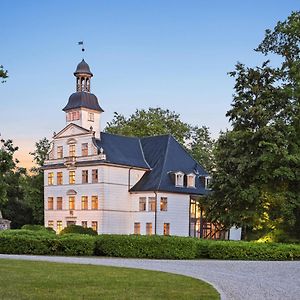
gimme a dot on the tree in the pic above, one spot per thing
(157, 121)
(34, 183)
(257, 178)
(3, 74)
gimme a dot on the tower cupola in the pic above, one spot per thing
(83, 107)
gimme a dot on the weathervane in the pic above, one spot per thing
(82, 46)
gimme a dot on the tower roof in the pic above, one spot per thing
(83, 99)
(83, 68)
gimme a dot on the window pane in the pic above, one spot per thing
(191, 181)
(59, 203)
(59, 178)
(71, 177)
(94, 202)
(84, 224)
(59, 226)
(163, 203)
(151, 203)
(137, 228)
(179, 179)
(84, 149)
(50, 178)
(142, 203)
(85, 174)
(94, 175)
(72, 150)
(59, 151)
(84, 202)
(95, 225)
(71, 203)
(50, 203)
(149, 228)
(166, 228)
(50, 224)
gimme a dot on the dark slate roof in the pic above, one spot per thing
(83, 68)
(83, 99)
(122, 150)
(165, 155)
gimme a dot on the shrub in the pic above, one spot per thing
(79, 230)
(159, 247)
(253, 251)
(31, 242)
(38, 228)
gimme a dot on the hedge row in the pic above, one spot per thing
(157, 247)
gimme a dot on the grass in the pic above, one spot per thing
(43, 280)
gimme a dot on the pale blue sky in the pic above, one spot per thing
(172, 54)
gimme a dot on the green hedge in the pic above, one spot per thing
(26, 242)
(78, 229)
(146, 246)
(158, 247)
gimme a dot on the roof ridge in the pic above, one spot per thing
(120, 135)
(142, 150)
(165, 158)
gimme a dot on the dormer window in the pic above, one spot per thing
(191, 180)
(91, 117)
(179, 178)
(208, 181)
(73, 115)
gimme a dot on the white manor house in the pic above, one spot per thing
(121, 185)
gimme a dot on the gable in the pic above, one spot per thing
(71, 130)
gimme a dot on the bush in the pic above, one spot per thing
(159, 247)
(40, 243)
(253, 251)
(37, 228)
(79, 230)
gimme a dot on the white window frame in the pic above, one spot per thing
(193, 176)
(181, 182)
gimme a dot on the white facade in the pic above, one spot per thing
(81, 187)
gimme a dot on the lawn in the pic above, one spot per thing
(44, 280)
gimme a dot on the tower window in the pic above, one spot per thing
(73, 115)
(91, 117)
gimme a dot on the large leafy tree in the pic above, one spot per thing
(34, 183)
(257, 176)
(158, 121)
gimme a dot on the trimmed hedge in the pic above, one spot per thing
(23, 242)
(78, 229)
(159, 247)
(42, 242)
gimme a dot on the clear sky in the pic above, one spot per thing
(158, 53)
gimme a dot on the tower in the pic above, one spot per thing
(83, 108)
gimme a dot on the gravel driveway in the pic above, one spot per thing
(233, 279)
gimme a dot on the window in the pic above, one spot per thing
(166, 228)
(149, 228)
(84, 224)
(71, 203)
(71, 177)
(50, 224)
(72, 150)
(137, 228)
(208, 181)
(59, 203)
(163, 203)
(179, 179)
(94, 202)
(142, 204)
(95, 225)
(50, 178)
(84, 149)
(59, 151)
(73, 115)
(91, 117)
(59, 178)
(70, 223)
(85, 174)
(94, 175)
(190, 180)
(59, 226)
(151, 204)
(50, 203)
(84, 202)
